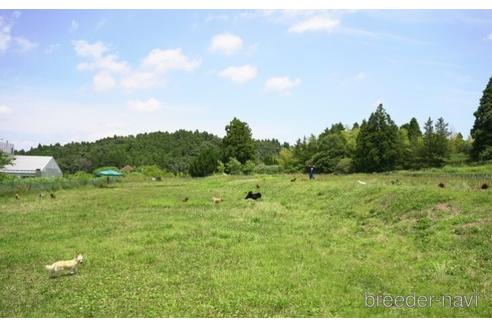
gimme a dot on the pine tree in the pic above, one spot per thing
(427, 152)
(435, 150)
(414, 130)
(238, 142)
(206, 163)
(482, 128)
(377, 143)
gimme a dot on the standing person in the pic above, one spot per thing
(311, 172)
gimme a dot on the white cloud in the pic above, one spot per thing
(103, 81)
(16, 14)
(317, 23)
(239, 74)
(74, 26)
(489, 37)
(167, 60)
(282, 84)
(112, 72)
(225, 43)
(150, 105)
(24, 44)
(5, 109)
(91, 50)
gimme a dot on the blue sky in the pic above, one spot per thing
(82, 75)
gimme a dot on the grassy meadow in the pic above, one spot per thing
(306, 249)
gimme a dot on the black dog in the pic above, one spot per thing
(253, 195)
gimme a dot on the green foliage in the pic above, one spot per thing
(172, 152)
(151, 170)
(248, 167)
(377, 147)
(11, 184)
(82, 175)
(4, 159)
(435, 150)
(268, 169)
(332, 147)
(413, 129)
(206, 163)
(233, 166)
(220, 167)
(267, 151)
(344, 166)
(238, 142)
(482, 127)
(286, 160)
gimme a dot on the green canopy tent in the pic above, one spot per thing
(109, 173)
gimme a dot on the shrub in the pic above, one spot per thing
(220, 167)
(82, 175)
(344, 166)
(233, 166)
(151, 170)
(205, 164)
(268, 169)
(248, 167)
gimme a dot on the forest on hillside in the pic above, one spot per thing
(376, 144)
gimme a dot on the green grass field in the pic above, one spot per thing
(307, 249)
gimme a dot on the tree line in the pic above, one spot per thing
(375, 145)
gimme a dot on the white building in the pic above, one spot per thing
(33, 166)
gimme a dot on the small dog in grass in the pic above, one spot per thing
(63, 266)
(217, 200)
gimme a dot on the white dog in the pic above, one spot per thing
(61, 266)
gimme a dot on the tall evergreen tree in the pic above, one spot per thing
(482, 128)
(206, 162)
(442, 141)
(238, 142)
(435, 149)
(377, 143)
(427, 152)
(414, 130)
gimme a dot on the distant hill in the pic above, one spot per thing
(172, 152)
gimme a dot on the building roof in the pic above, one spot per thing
(27, 163)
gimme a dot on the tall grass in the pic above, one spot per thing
(13, 185)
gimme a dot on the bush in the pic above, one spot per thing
(151, 171)
(82, 175)
(248, 167)
(268, 169)
(344, 166)
(220, 167)
(233, 166)
(205, 164)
